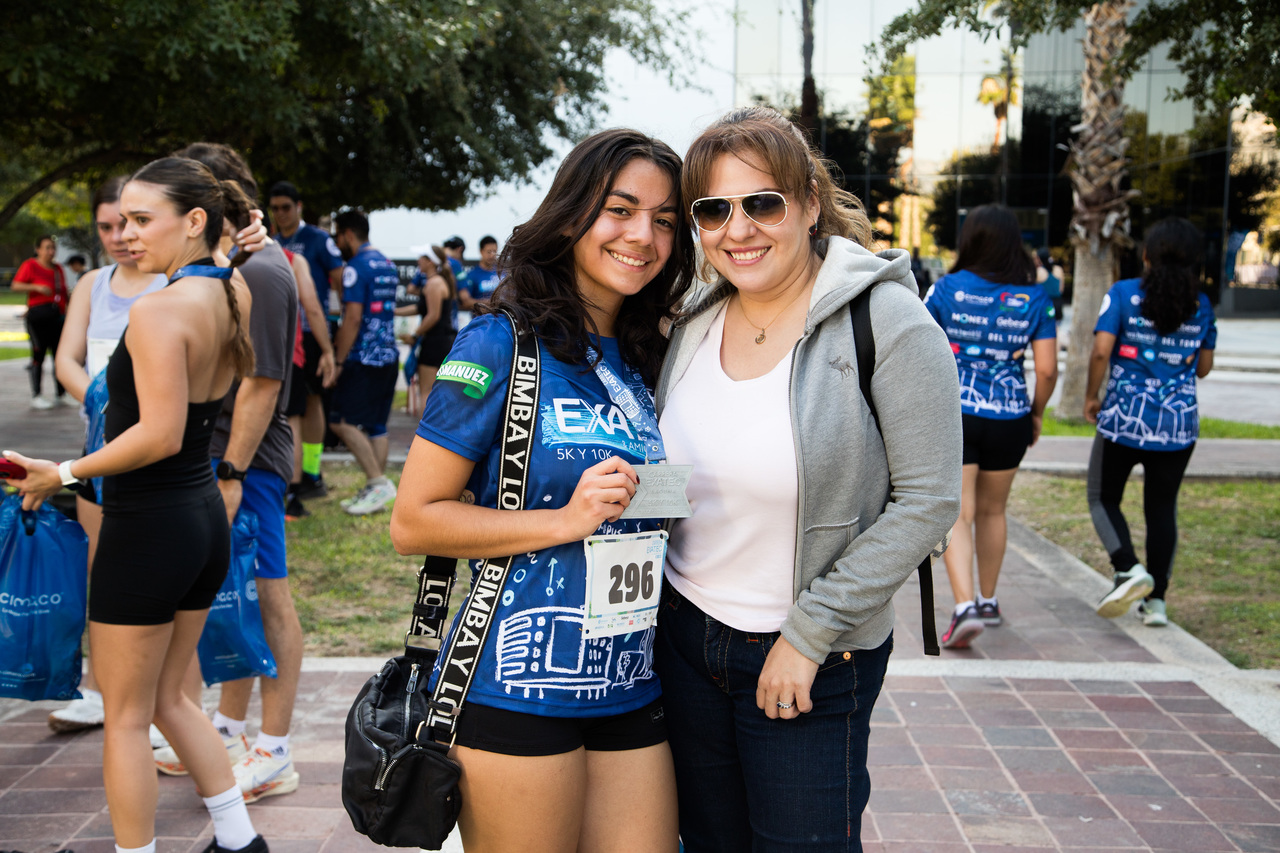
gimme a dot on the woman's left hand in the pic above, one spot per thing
(785, 680)
(254, 237)
(42, 480)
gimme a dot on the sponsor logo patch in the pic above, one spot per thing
(475, 377)
(1128, 351)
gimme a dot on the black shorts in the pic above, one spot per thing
(311, 349)
(513, 733)
(299, 392)
(363, 397)
(995, 445)
(152, 563)
(434, 349)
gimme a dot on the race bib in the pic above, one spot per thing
(624, 581)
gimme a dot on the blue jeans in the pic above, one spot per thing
(748, 783)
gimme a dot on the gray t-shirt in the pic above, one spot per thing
(272, 327)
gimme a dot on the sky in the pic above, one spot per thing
(637, 98)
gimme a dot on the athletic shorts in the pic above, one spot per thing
(514, 733)
(995, 445)
(152, 563)
(434, 349)
(311, 349)
(262, 493)
(363, 397)
(299, 392)
(84, 488)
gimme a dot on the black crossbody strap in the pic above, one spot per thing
(864, 342)
(476, 619)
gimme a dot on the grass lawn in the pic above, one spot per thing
(1209, 428)
(1226, 577)
(10, 353)
(8, 297)
(352, 590)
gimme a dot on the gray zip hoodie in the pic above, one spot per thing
(870, 506)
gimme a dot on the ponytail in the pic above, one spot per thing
(235, 209)
(1171, 281)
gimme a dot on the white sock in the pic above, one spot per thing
(378, 481)
(961, 606)
(983, 600)
(146, 848)
(223, 723)
(274, 744)
(232, 828)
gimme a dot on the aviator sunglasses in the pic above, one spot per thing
(764, 208)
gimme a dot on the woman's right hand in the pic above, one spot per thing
(42, 480)
(603, 492)
(1091, 408)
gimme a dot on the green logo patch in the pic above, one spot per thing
(475, 377)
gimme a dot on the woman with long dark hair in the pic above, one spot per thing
(992, 311)
(1154, 336)
(164, 547)
(435, 333)
(561, 738)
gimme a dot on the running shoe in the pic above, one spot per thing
(1129, 587)
(965, 626)
(65, 400)
(257, 845)
(264, 774)
(41, 403)
(1152, 613)
(78, 714)
(356, 498)
(376, 499)
(311, 487)
(989, 613)
(168, 763)
(295, 509)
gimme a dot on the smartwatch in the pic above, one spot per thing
(227, 471)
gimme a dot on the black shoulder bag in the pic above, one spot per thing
(399, 785)
(864, 343)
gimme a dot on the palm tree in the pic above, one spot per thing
(1100, 224)
(808, 118)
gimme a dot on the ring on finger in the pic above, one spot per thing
(786, 706)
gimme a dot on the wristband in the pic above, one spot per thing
(64, 473)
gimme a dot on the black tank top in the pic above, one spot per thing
(444, 326)
(185, 476)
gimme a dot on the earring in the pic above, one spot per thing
(813, 230)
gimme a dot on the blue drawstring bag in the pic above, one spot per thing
(44, 580)
(94, 411)
(233, 644)
(411, 361)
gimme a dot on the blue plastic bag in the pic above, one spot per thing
(233, 644)
(44, 580)
(95, 415)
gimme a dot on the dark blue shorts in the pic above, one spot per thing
(363, 397)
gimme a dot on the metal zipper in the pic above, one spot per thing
(408, 698)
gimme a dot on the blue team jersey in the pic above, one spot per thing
(989, 327)
(322, 255)
(480, 282)
(372, 280)
(1151, 390)
(536, 660)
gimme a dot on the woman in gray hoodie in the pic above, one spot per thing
(776, 623)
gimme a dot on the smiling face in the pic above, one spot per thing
(630, 240)
(160, 239)
(110, 226)
(759, 260)
(286, 213)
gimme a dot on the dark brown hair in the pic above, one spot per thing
(189, 184)
(991, 247)
(1171, 282)
(766, 139)
(107, 193)
(541, 290)
(225, 163)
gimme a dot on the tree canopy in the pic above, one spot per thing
(375, 103)
(1228, 49)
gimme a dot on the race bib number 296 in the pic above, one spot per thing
(624, 581)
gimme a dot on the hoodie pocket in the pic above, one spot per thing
(826, 532)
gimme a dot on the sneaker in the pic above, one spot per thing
(65, 400)
(168, 763)
(158, 741)
(965, 626)
(376, 499)
(1152, 613)
(264, 774)
(79, 714)
(310, 487)
(356, 498)
(294, 509)
(41, 403)
(257, 845)
(989, 613)
(1129, 587)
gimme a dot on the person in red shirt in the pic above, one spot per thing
(46, 287)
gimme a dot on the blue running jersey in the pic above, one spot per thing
(480, 282)
(989, 327)
(321, 254)
(536, 660)
(372, 280)
(1151, 389)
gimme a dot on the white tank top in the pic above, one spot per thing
(735, 557)
(108, 316)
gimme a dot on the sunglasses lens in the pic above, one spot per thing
(765, 208)
(710, 214)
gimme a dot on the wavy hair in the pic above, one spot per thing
(541, 290)
(1173, 249)
(189, 184)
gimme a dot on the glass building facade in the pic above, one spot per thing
(939, 135)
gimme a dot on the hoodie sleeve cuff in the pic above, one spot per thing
(807, 636)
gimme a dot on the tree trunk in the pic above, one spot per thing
(808, 89)
(70, 169)
(1094, 274)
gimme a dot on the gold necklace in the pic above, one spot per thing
(761, 337)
